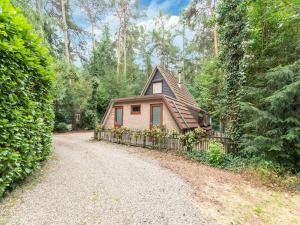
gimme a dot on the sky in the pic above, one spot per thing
(171, 8)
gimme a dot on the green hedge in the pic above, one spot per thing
(26, 99)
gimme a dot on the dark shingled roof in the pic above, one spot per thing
(181, 92)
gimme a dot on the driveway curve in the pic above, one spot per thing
(102, 183)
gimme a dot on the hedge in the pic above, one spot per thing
(26, 98)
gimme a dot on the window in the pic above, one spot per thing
(118, 116)
(77, 117)
(136, 109)
(157, 87)
(156, 115)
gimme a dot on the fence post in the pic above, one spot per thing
(144, 141)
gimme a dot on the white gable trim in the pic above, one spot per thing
(149, 81)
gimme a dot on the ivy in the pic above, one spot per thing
(25, 96)
(231, 33)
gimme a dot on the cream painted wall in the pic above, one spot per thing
(140, 121)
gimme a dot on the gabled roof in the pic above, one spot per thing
(185, 116)
(181, 92)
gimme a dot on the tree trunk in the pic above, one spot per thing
(92, 22)
(67, 55)
(118, 52)
(73, 118)
(125, 53)
(212, 10)
(216, 49)
(222, 126)
(65, 29)
(93, 35)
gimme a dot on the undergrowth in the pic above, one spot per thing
(264, 172)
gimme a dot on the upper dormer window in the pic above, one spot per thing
(157, 87)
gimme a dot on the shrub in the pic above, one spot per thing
(173, 134)
(229, 162)
(118, 132)
(61, 127)
(26, 86)
(99, 127)
(188, 140)
(136, 134)
(216, 153)
(200, 132)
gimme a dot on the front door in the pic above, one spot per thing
(156, 115)
(118, 116)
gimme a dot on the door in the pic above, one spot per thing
(118, 116)
(156, 115)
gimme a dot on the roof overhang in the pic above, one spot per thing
(155, 97)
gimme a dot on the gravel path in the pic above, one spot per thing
(101, 183)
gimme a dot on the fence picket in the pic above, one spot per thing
(166, 143)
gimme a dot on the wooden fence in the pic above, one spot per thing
(164, 143)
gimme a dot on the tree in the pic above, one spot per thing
(272, 128)
(101, 70)
(231, 21)
(39, 15)
(209, 90)
(270, 105)
(95, 10)
(200, 17)
(163, 42)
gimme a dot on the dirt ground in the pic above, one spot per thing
(227, 197)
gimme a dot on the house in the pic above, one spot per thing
(163, 102)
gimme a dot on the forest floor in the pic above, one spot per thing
(90, 182)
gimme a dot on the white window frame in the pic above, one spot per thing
(157, 87)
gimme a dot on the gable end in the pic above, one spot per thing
(166, 90)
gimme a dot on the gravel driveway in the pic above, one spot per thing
(102, 183)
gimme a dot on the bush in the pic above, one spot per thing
(61, 127)
(229, 162)
(216, 153)
(26, 86)
(188, 140)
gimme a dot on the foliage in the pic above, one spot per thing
(229, 161)
(200, 132)
(273, 175)
(232, 28)
(216, 153)
(261, 171)
(61, 127)
(158, 135)
(173, 134)
(72, 92)
(136, 134)
(209, 91)
(273, 129)
(26, 98)
(271, 105)
(99, 128)
(188, 140)
(118, 132)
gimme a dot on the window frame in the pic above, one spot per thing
(135, 113)
(115, 117)
(151, 114)
(157, 82)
